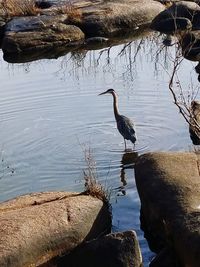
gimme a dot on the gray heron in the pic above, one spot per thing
(124, 125)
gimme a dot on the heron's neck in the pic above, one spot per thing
(115, 105)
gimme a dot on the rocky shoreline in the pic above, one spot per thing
(57, 29)
(61, 228)
(88, 23)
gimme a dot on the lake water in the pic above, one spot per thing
(50, 113)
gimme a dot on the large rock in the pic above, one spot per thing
(182, 15)
(190, 45)
(37, 227)
(36, 33)
(169, 189)
(90, 18)
(116, 249)
(111, 18)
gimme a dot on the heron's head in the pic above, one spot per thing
(109, 91)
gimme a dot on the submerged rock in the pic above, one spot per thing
(116, 249)
(169, 190)
(38, 227)
(96, 40)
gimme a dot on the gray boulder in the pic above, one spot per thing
(112, 18)
(171, 25)
(27, 34)
(50, 30)
(181, 15)
(116, 249)
(190, 44)
(38, 227)
(169, 190)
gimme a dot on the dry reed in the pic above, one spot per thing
(92, 186)
(12, 8)
(74, 13)
(19, 8)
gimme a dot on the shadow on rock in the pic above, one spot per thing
(180, 16)
(169, 189)
(117, 249)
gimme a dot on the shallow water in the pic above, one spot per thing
(50, 113)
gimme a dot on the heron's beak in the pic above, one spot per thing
(103, 93)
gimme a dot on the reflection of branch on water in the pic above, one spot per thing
(159, 51)
(127, 57)
(107, 50)
(181, 104)
(180, 100)
(123, 51)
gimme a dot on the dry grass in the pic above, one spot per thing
(92, 186)
(12, 8)
(19, 8)
(74, 13)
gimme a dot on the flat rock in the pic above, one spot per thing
(36, 33)
(33, 23)
(169, 190)
(38, 227)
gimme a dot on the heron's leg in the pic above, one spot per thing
(125, 143)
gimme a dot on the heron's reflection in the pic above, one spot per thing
(128, 162)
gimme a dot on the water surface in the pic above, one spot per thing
(50, 112)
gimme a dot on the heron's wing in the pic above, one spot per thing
(126, 128)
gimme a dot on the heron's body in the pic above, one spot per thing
(126, 128)
(124, 125)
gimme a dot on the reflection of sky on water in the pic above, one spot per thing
(50, 109)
